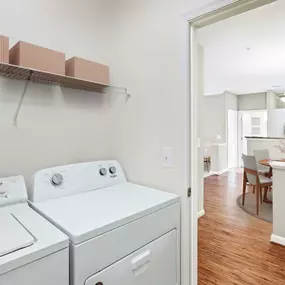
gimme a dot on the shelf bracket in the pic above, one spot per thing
(28, 80)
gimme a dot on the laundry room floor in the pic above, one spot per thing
(234, 247)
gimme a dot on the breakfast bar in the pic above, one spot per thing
(270, 143)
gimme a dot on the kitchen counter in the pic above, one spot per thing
(265, 138)
(261, 143)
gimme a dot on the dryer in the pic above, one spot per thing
(120, 232)
(32, 250)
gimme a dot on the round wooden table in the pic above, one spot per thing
(267, 162)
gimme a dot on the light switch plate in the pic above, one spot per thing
(199, 142)
(167, 157)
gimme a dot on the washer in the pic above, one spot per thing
(120, 233)
(32, 250)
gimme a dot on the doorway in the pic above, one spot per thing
(215, 12)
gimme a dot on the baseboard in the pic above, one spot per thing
(201, 214)
(219, 172)
(278, 239)
(208, 174)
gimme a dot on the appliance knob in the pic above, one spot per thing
(112, 169)
(3, 191)
(103, 171)
(57, 179)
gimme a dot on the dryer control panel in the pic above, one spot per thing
(67, 180)
(12, 190)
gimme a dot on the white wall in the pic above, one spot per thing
(150, 59)
(55, 127)
(256, 101)
(214, 121)
(280, 104)
(215, 116)
(231, 101)
(271, 100)
(231, 104)
(213, 129)
(76, 28)
(214, 124)
(219, 158)
(276, 123)
(232, 138)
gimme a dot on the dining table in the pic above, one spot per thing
(267, 162)
(269, 174)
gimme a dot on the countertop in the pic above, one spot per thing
(266, 138)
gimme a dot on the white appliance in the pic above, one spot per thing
(32, 250)
(120, 233)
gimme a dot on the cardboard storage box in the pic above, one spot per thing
(4, 49)
(87, 70)
(36, 57)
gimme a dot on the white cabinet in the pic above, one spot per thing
(276, 123)
(155, 263)
(254, 123)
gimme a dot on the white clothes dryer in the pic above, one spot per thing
(120, 232)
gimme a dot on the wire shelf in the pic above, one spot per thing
(42, 77)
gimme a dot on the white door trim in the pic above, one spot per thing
(201, 214)
(205, 9)
(218, 10)
(204, 15)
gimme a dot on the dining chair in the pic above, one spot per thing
(260, 155)
(253, 177)
(207, 162)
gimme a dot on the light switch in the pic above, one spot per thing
(198, 142)
(167, 157)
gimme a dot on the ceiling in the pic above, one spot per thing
(246, 53)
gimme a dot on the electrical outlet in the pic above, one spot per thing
(167, 157)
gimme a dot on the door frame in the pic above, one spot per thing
(211, 13)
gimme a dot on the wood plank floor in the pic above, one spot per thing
(234, 247)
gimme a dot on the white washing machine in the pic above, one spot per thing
(32, 250)
(120, 233)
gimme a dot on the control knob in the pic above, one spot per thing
(3, 190)
(57, 179)
(103, 171)
(113, 170)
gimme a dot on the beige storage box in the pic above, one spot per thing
(4, 49)
(87, 70)
(36, 57)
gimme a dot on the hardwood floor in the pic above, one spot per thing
(234, 247)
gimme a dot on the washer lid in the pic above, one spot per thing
(13, 235)
(87, 215)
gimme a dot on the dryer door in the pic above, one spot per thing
(154, 264)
